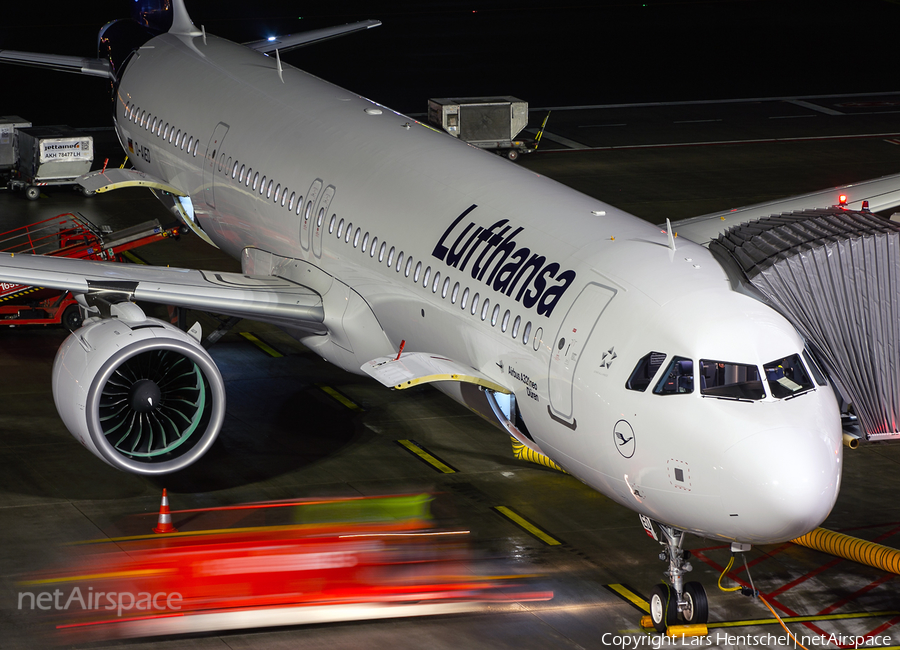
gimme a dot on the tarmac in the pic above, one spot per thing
(298, 427)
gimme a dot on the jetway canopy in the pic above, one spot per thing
(835, 274)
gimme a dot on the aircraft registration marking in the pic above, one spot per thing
(527, 526)
(422, 454)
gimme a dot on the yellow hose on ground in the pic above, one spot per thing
(521, 452)
(850, 548)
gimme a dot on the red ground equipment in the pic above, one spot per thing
(66, 235)
(340, 560)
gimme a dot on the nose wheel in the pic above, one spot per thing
(678, 598)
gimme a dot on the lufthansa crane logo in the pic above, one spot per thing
(623, 438)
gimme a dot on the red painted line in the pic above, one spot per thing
(881, 628)
(807, 576)
(856, 594)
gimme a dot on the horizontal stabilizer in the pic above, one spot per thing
(293, 41)
(59, 62)
(881, 193)
(114, 179)
(414, 368)
(268, 299)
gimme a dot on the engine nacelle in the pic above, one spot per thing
(141, 395)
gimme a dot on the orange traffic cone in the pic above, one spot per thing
(164, 524)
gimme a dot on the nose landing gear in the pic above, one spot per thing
(685, 599)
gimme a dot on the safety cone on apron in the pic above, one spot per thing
(164, 524)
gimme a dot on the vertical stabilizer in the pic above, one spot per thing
(181, 21)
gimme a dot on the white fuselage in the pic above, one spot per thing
(375, 211)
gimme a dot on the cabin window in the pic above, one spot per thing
(221, 162)
(365, 243)
(284, 200)
(437, 281)
(374, 246)
(321, 217)
(291, 207)
(166, 132)
(495, 315)
(178, 139)
(409, 262)
(277, 192)
(427, 277)
(269, 189)
(241, 175)
(390, 261)
(153, 125)
(331, 224)
(677, 379)
(381, 252)
(196, 147)
(300, 204)
(645, 370)
(484, 309)
(465, 298)
(159, 130)
(475, 304)
(171, 135)
(455, 294)
(308, 211)
(445, 288)
(527, 334)
(235, 170)
(356, 238)
(516, 324)
(190, 143)
(143, 117)
(255, 178)
(727, 380)
(349, 230)
(787, 377)
(418, 270)
(340, 232)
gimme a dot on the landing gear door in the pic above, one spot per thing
(577, 326)
(308, 219)
(321, 218)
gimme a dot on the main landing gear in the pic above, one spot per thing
(685, 599)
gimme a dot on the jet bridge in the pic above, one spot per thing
(835, 274)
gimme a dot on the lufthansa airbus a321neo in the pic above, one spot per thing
(582, 331)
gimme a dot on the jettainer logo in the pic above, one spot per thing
(492, 256)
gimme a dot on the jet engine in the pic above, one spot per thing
(139, 393)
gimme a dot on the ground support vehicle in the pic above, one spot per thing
(491, 123)
(66, 235)
(50, 155)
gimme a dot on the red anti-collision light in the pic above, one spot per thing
(842, 199)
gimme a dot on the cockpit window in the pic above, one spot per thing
(678, 378)
(644, 371)
(787, 377)
(730, 380)
(812, 363)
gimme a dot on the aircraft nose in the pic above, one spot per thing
(780, 483)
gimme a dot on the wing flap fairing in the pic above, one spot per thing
(415, 368)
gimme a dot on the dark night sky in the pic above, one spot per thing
(572, 53)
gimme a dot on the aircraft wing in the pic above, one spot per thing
(881, 193)
(268, 299)
(293, 41)
(60, 62)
